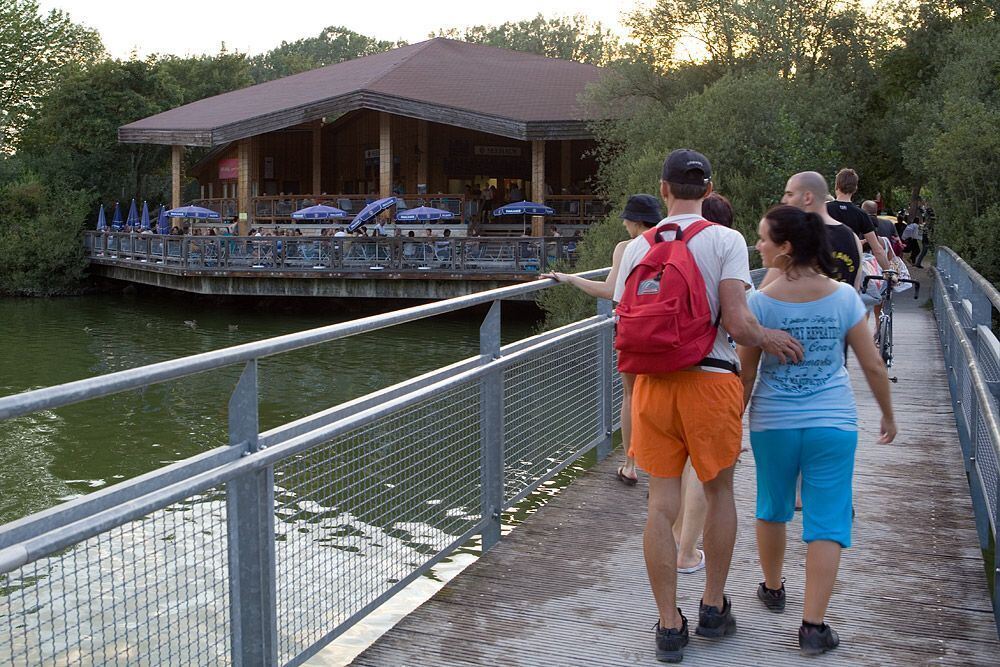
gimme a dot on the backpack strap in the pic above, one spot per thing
(693, 229)
(653, 235)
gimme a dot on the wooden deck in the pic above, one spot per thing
(569, 587)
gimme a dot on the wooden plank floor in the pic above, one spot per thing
(569, 587)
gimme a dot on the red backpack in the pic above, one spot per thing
(664, 318)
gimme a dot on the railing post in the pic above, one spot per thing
(250, 521)
(491, 408)
(606, 374)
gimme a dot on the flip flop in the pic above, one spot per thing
(695, 568)
(625, 479)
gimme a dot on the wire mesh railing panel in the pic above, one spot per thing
(357, 514)
(987, 464)
(617, 391)
(154, 591)
(552, 407)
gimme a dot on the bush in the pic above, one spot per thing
(41, 240)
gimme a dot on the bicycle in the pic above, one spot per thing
(883, 337)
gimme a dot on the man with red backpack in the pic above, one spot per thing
(681, 294)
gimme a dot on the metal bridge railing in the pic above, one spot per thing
(966, 306)
(263, 551)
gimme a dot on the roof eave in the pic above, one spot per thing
(375, 101)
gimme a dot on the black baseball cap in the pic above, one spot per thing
(687, 167)
(642, 208)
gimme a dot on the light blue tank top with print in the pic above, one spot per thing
(816, 392)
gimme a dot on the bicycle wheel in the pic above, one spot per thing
(885, 340)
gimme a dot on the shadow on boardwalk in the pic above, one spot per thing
(569, 587)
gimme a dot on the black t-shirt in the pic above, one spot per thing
(846, 257)
(850, 215)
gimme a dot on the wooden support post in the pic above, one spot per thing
(566, 177)
(243, 187)
(423, 159)
(538, 184)
(176, 175)
(317, 157)
(384, 155)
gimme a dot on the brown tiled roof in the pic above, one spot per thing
(511, 93)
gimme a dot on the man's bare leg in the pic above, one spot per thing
(720, 535)
(659, 549)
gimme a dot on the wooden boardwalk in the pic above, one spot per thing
(569, 586)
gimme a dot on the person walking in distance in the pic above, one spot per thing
(803, 419)
(842, 209)
(669, 421)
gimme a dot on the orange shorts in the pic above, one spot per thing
(696, 414)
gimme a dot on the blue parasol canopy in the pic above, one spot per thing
(523, 208)
(102, 222)
(319, 212)
(133, 216)
(195, 212)
(116, 219)
(423, 214)
(370, 211)
(162, 224)
(144, 218)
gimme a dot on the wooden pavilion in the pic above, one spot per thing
(426, 122)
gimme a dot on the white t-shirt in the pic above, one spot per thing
(721, 254)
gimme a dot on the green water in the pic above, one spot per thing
(52, 456)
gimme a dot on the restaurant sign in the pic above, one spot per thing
(497, 151)
(229, 169)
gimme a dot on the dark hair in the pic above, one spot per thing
(687, 190)
(847, 181)
(717, 208)
(806, 232)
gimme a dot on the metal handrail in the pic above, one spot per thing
(164, 371)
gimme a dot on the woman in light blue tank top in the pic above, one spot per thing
(803, 420)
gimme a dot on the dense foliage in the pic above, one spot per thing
(41, 240)
(909, 98)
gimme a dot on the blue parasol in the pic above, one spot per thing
(195, 212)
(162, 225)
(102, 223)
(523, 208)
(424, 214)
(116, 219)
(370, 211)
(144, 218)
(319, 212)
(133, 216)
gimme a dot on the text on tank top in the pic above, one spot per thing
(846, 257)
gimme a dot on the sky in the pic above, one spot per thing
(190, 27)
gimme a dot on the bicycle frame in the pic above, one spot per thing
(883, 336)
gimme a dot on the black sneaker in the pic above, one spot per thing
(816, 640)
(670, 642)
(773, 599)
(713, 622)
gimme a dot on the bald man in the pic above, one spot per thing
(808, 191)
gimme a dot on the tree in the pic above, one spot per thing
(74, 138)
(41, 244)
(333, 45)
(567, 37)
(34, 50)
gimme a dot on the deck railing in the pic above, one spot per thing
(966, 306)
(261, 552)
(312, 254)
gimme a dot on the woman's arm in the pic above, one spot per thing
(749, 358)
(598, 289)
(860, 340)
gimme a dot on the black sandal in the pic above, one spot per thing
(625, 479)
